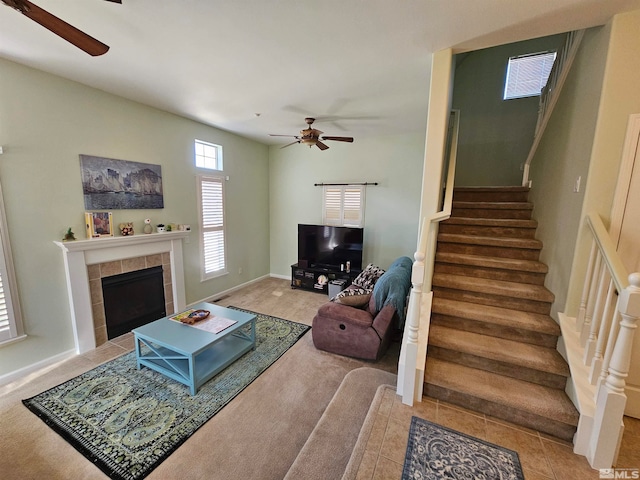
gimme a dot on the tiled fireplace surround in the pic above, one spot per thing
(101, 270)
(88, 261)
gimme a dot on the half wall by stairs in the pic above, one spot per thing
(492, 344)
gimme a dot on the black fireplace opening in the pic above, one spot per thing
(133, 299)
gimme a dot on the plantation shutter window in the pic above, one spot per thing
(528, 74)
(10, 317)
(343, 205)
(212, 226)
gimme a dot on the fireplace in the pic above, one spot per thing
(132, 299)
(88, 261)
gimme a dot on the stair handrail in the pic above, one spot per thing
(411, 364)
(551, 92)
(607, 328)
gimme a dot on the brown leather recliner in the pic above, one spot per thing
(366, 332)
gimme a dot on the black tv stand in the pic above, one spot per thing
(316, 278)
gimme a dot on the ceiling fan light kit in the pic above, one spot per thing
(61, 28)
(311, 136)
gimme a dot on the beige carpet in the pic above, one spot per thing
(257, 436)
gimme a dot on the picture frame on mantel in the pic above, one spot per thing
(98, 224)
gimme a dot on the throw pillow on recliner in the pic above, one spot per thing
(368, 277)
(353, 297)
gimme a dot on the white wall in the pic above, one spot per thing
(45, 123)
(620, 98)
(564, 155)
(392, 207)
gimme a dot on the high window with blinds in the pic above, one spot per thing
(528, 74)
(343, 205)
(10, 318)
(212, 226)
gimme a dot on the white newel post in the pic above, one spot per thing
(408, 383)
(611, 399)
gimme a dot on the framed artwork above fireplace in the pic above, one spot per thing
(110, 184)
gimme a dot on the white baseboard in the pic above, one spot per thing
(25, 372)
(229, 291)
(224, 293)
(283, 277)
(632, 408)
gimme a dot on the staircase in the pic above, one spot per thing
(492, 344)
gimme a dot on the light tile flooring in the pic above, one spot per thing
(541, 457)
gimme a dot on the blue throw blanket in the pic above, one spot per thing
(393, 287)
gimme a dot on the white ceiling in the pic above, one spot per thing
(361, 67)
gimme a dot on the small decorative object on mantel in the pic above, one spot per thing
(147, 226)
(126, 229)
(99, 224)
(160, 228)
(69, 236)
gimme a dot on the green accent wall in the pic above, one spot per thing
(495, 134)
(45, 123)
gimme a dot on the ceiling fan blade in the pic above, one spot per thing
(289, 144)
(321, 145)
(61, 28)
(274, 135)
(339, 139)
(115, 1)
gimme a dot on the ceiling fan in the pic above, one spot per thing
(60, 27)
(311, 136)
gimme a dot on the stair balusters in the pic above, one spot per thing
(606, 334)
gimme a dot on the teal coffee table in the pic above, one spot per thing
(189, 354)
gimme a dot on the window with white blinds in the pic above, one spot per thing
(528, 74)
(10, 319)
(343, 205)
(212, 226)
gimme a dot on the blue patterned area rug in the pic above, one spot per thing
(435, 452)
(127, 421)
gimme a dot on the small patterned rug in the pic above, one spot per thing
(435, 452)
(127, 421)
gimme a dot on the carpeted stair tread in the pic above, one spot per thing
(511, 352)
(493, 287)
(492, 222)
(496, 315)
(492, 262)
(509, 392)
(503, 242)
(493, 205)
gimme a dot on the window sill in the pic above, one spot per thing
(9, 341)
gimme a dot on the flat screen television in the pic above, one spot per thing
(324, 246)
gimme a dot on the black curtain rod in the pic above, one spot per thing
(343, 184)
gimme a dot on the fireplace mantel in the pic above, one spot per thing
(80, 253)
